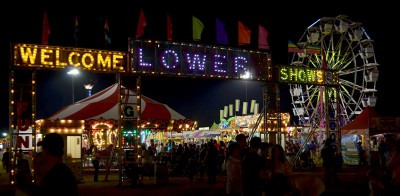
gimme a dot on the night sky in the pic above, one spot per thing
(196, 99)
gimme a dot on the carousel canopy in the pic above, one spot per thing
(104, 104)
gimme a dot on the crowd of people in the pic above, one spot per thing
(251, 167)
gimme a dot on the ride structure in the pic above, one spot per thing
(345, 48)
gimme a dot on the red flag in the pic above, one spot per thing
(263, 38)
(141, 25)
(46, 30)
(169, 28)
(243, 34)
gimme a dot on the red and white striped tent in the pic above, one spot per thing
(104, 104)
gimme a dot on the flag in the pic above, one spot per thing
(294, 48)
(141, 25)
(76, 28)
(243, 34)
(197, 29)
(312, 49)
(222, 35)
(107, 32)
(169, 28)
(263, 38)
(46, 30)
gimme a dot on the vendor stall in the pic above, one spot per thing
(369, 128)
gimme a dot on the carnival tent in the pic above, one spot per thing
(104, 104)
(361, 124)
(357, 130)
(367, 125)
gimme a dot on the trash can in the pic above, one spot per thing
(160, 173)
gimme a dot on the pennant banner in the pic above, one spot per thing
(294, 48)
(243, 34)
(263, 38)
(169, 28)
(46, 30)
(222, 35)
(141, 25)
(197, 29)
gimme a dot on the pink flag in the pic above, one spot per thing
(263, 38)
(169, 28)
(141, 25)
(46, 30)
(243, 34)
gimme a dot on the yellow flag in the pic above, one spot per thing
(197, 29)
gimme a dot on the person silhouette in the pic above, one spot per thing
(96, 163)
(6, 160)
(58, 179)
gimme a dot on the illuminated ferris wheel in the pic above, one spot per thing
(343, 47)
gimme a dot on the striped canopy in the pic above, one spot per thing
(104, 104)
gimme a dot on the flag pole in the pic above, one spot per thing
(76, 30)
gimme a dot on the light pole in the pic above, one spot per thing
(245, 77)
(88, 88)
(73, 72)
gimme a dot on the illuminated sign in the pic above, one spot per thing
(129, 111)
(306, 75)
(54, 57)
(195, 60)
(171, 59)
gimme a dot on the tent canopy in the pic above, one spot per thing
(362, 121)
(104, 104)
(370, 123)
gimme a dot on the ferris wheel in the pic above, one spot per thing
(343, 47)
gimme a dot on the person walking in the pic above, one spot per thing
(6, 160)
(328, 154)
(313, 150)
(360, 152)
(241, 139)
(234, 184)
(253, 170)
(96, 163)
(279, 169)
(201, 162)
(211, 162)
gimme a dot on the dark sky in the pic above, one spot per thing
(197, 99)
